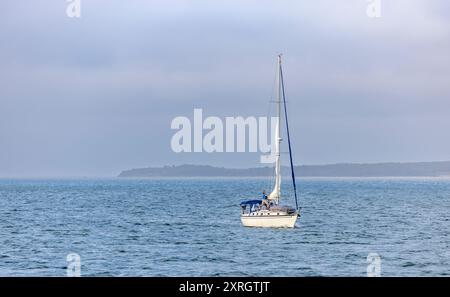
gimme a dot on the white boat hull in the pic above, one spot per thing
(269, 220)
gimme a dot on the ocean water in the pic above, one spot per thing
(191, 227)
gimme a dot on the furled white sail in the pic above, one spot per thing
(275, 194)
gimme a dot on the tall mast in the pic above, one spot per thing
(275, 195)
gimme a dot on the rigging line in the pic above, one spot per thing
(288, 138)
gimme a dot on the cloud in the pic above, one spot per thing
(116, 77)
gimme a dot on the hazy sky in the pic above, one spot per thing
(95, 95)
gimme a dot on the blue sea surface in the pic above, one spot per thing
(191, 227)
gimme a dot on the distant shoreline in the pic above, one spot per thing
(391, 169)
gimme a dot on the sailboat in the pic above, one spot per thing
(268, 212)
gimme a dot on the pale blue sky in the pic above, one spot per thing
(93, 96)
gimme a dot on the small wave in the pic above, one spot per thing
(408, 264)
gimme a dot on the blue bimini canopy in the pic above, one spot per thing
(251, 202)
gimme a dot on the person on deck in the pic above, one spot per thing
(265, 200)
